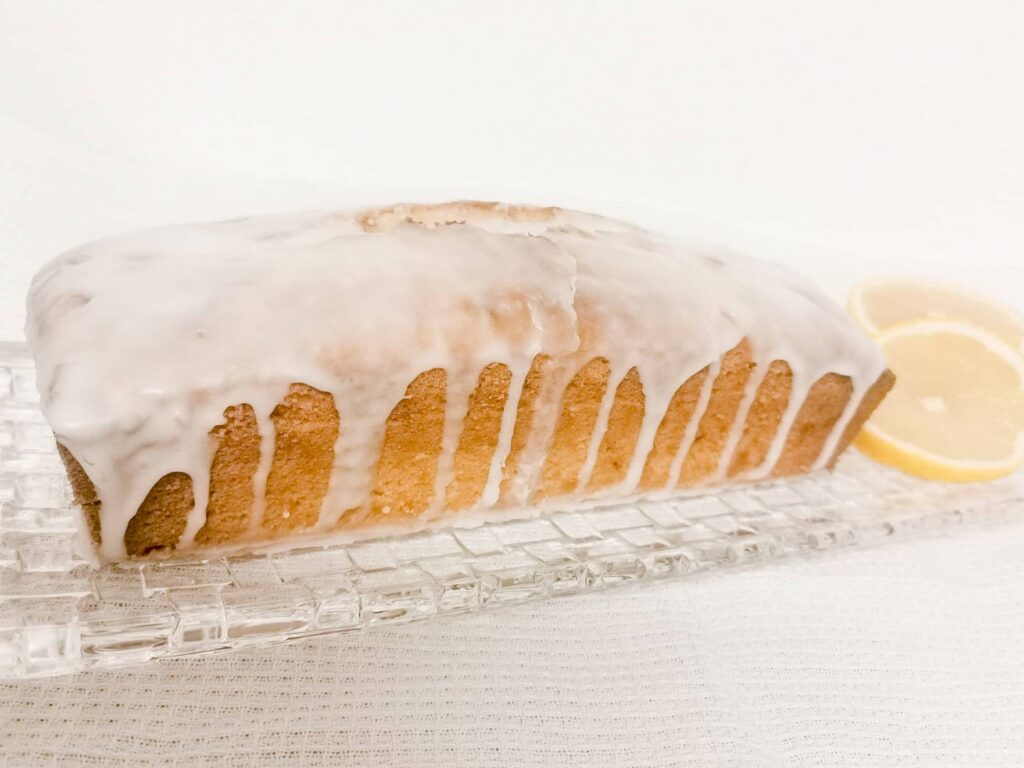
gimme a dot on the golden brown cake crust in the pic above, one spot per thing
(668, 439)
(872, 399)
(479, 438)
(412, 445)
(161, 519)
(232, 472)
(726, 396)
(306, 425)
(619, 441)
(815, 420)
(763, 419)
(460, 212)
(577, 418)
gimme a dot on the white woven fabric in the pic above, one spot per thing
(906, 655)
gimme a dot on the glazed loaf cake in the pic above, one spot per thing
(246, 382)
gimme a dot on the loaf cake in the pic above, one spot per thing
(267, 381)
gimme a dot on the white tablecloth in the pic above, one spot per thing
(884, 139)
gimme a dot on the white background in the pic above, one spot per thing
(890, 131)
(849, 139)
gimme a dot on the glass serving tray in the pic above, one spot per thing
(58, 615)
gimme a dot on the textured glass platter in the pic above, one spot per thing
(59, 615)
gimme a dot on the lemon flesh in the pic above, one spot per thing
(957, 410)
(880, 305)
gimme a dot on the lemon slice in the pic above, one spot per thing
(957, 410)
(882, 304)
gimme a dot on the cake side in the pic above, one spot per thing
(403, 493)
(408, 365)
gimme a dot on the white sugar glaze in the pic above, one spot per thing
(142, 341)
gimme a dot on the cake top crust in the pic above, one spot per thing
(120, 325)
(144, 337)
